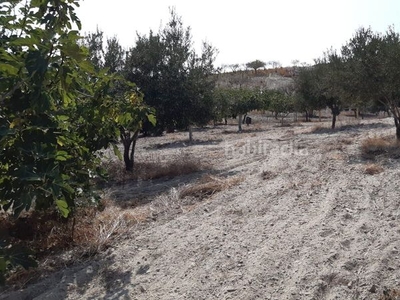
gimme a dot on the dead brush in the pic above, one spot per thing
(320, 129)
(208, 185)
(380, 146)
(180, 165)
(103, 228)
(390, 295)
(116, 171)
(345, 141)
(89, 231)
(267, 175)
(153, 167)
(333, 147)
(373, 169)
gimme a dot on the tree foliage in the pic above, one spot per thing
(307, 97)
(56, 110)
(373, 59)
(280, 102)
(256, 64)
(127, 107)
(43, 74)
(175, 80)
(365, 72)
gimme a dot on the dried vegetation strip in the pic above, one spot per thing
(380, 146)
(58, 242)
(208, 185)
(153, 167)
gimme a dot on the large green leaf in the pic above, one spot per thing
(63, 207)
(116, 151)
(152, 119)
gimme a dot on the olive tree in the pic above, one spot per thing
(373, 61)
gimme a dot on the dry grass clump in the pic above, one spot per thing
(174, 168)
(89, 231)
(98, 229)
(320, 129)
(208, 185)
(337, 145)
(346, 141)
(390, 295)
(116, 170)
(153, 168)
(334, 146)
(376, 146)
(267, 175)
(373, 169)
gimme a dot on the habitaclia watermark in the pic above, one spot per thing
(250, 148)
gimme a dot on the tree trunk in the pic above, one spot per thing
(170, 129)
(307, 116)
(128, 162)
(132, 154)
(129, 150)
(333, 121)
(240, 122)
(244, 119)
(226, 121)
(190, 134)
(319, 115)
(335, 110)
(397, 124)
(398, 133)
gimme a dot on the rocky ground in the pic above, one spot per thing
(303, 218)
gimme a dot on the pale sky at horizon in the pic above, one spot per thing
(280, 30)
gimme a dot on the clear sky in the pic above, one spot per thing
(243, 31)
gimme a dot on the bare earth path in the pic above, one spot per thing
(306, 222)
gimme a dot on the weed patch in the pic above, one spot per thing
(373, 169)
(380, 146)
(154, 168)
(208, 186)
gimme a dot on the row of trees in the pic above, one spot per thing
(237, 103)
(364, 75)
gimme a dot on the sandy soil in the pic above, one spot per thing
(304, 222)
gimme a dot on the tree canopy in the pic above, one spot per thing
(175, 80)
(363, 73)
(56, 111)
(255, 65)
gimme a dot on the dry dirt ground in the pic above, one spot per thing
(303, 219)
